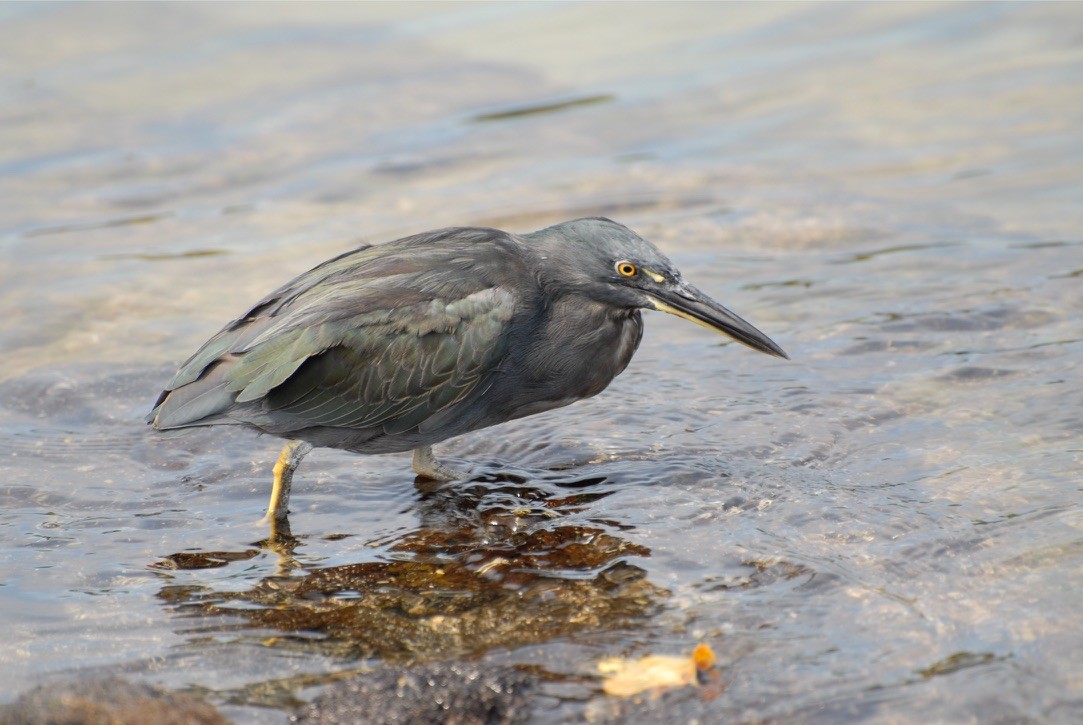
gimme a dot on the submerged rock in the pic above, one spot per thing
(497, 566)
(455, 694)
(107, 701)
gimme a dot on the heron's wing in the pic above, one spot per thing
(379, 336)
(391, 368)
(239, 332)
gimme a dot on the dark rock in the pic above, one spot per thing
(107, 701)
(455, 694)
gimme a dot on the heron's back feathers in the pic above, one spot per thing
(380, 336)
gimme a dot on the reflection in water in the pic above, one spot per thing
(494, 563)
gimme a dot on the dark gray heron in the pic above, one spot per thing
(399, 346)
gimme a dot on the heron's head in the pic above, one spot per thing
(611, 264)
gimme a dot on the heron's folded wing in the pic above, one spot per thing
(374, 334)
(391, 368)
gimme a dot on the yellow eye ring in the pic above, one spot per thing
(626, 269)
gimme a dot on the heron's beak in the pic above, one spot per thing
(686, 301)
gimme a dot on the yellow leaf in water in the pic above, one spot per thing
(655, 673)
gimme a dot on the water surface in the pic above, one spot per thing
(886, 528)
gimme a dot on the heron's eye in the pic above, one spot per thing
(626, 269)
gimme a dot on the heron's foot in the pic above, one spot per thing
(287, 463)
(427, 466)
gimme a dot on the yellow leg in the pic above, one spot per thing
(287, 463)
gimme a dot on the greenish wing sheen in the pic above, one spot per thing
(242, 333)
(390, 368)
(377, 336)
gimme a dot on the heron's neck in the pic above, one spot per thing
(581, 346)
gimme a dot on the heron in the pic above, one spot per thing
(399, 346)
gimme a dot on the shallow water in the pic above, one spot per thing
(886, 528)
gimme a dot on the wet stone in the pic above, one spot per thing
(408, 610)
(107, 701)
(496, 566)
(456, 694)
(191, 560)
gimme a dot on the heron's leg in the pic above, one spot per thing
(287, 463)
(426, 465)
